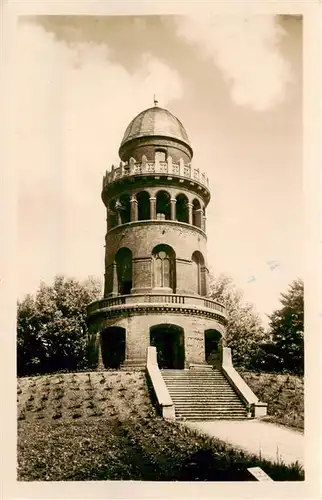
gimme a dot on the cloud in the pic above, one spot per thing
(246, 50)
(72, 105)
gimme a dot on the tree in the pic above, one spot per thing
(51, 327)
(285, 351)
(244, 330)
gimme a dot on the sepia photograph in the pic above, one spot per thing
(160, 268)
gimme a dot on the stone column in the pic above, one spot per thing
(100, 365)
(115, 290)
(189, 213)
(198, 216)
(204, 223)
(108, 219)
(118, 212)
(153, 207)
(173, 202)
(134, 209)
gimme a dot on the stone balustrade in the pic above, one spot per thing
(157, 167)
(193, 301)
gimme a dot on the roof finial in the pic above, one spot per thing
(155, 100)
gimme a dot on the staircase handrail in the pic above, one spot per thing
(256, 407)
(160, 389)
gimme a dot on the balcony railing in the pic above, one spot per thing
(157, 167)
(139, 299)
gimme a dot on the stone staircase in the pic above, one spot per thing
(203, 394)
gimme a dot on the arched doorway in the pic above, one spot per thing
(213, 347)
(169, 342)
(113, 346)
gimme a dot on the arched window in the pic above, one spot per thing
(143, 199)
(164, 275)
(196, 213)
(123, 260)
(199, 275)
(163, 205)
(124, 208)
(182, 212)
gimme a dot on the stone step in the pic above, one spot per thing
(198, 416)
(213, 404)
(198, 384)
(202, 392)
(205, 411)
(218, 411)
(193, 375)
(187, 373)
(218, 404)
(202, 416)
(200, 397)
(209, 419)
(203, 395)
(204, 404)
(191, 379)
(196, 381)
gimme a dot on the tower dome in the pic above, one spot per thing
(151, 124)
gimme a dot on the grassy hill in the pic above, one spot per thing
(284, 395)
(72, 396)
(101, 426)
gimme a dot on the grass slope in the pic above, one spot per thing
(101, 426)
(284, 395)
(81, 395)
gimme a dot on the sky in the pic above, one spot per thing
(236, 84)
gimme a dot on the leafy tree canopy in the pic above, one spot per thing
(51, 326)
(286, 347)
(245, 331)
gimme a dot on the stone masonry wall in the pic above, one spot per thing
(141, 238)
(148, 147)
(138, 332)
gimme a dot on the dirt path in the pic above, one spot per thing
(272, 441)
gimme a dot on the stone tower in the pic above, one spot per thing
(156, 274)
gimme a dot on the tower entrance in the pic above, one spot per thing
(212, 346)
(113, 346)
(169, 343)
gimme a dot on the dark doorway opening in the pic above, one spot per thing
(123, 261)
(212, 346)
(143, 199)
(113, 346)
(163, 204)
(169, 342)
